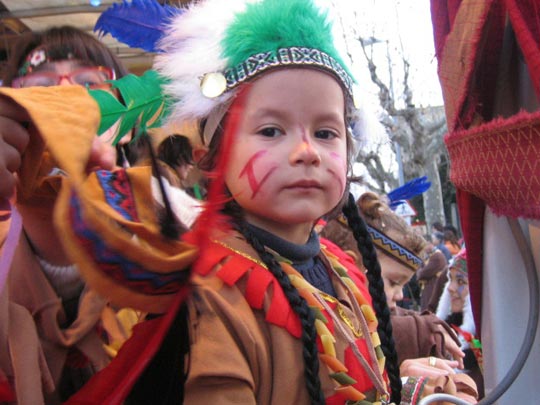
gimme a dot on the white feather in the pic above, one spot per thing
(192, 48)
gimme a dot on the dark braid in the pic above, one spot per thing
(376, 289)
(301, 308)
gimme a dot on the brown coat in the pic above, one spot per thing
(428, 276)
(417, 334)
(237, 356)
(33, 347)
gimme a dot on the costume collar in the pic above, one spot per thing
(288, 250)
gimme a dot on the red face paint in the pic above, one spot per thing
(254, 184)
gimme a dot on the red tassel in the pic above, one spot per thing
(6, 392)
(211, 218)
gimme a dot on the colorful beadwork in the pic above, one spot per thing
(337, 370)
(234, 267)
(394, 249)
(286, 56)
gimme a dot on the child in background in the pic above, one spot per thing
(176, 151)
(399, 247)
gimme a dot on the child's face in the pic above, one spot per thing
(289, 159)
(395, 275)
(458, 289)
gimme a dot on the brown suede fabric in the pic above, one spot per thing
(417, 335)
(237, 356)
(428, 276)
(34, 346)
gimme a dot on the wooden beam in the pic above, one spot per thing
(51, 11)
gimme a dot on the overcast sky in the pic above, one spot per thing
(403, 27)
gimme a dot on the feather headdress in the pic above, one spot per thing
(216, 45)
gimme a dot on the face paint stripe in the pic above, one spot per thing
(258, 187)
(248, 171)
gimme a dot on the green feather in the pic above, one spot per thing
(144, 104)
(273, 24)
(110, 108)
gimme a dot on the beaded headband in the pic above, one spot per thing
(459, 262)
(256, 64)
(395, 250)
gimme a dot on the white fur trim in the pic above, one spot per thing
(185, 208)
(443, 308)
(188, 57)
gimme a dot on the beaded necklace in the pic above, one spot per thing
(319, 301)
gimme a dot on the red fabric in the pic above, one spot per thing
(468, 62)
(280, 313)
(471, 211)
(112, 384)
(230, 273)
(6, 392)
(525, 18)
(498, 162)
(443, 13)
(256, 287)
(468, 50)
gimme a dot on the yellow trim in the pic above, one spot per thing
(245, 255)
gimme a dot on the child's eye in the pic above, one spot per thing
(325, 134)
(270, 132)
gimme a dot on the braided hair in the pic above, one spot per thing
(376, 290)
(301, 308)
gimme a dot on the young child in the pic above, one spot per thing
(280, 142)
(399, 248)
(275, 316)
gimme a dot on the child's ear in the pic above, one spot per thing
(198, 153)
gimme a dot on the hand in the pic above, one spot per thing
(14, 139)
(452, 347)
(427, 367)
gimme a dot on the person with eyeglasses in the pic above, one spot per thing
(51, 325)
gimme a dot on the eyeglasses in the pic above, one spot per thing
(91, 77)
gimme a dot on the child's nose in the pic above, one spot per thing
(305, 152)
(398, 294)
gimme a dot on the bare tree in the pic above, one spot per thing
(416, 132)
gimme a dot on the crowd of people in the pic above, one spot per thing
(289, 288)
